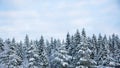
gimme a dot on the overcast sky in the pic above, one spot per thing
(54, 18)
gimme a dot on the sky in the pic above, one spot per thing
(54, 18)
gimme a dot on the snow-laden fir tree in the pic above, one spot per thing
(61, 58)
(56, 45)
(76, 40)
(74, 43)
(83, 53)
(19, 50)
(1, 51)
(41, 50)
(68, 41)
(4, 58)
(94, 47)
(50, 48)
(1, 45)
(10, 57)
(105, 53)
(16, 60)
(99, 49)
(26, 45)
(32, 57)
(115, 51)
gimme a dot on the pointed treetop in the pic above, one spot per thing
(77, 31)
(41, 38)
(83, 32)
(13, 40)
(100, 37)
(26, 36)
(105, 38)
(94, 37)
(68, 35)
(26, 40)
(68, 39)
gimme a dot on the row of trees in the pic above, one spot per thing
(76, 51)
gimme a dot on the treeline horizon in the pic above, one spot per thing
(63, 39)
(75, 51)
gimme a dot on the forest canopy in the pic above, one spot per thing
(76, 51)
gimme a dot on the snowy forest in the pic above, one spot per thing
(75, 51)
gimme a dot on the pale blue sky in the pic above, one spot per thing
(54, 18)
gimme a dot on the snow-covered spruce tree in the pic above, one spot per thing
(115, 52)
(19, 50)
(76, 40)
(50, 48)
(32, 57)
(91, 47)
(111, 43)
(41, 50)
(26, 41)
(70, 45)
(26, 45)
(74, 47)
(61, 58)
(10, 59)
(94, 47)
(68, 41)
(99, 49)
(111, 47)
(1, 45)
(56, 45)
(83, 53)
(105, 53)
(4, 58)
(16, 60)
(2, 50)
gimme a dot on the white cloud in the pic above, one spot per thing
(81, 22)
(19, 14)
(81, 13)
(110, 9)
(19, 3)
(100, 2)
